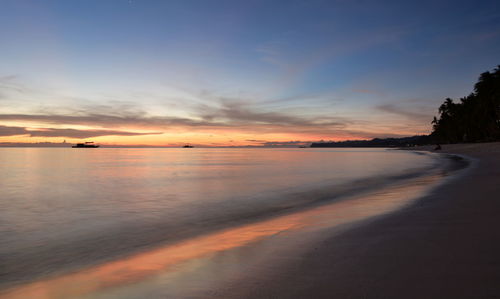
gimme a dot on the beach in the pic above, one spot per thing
(249, 149)
(445, 245)
(429, 235)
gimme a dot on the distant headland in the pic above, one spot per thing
(378, 142)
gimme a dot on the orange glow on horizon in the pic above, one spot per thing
(178, 139)
(217, 135)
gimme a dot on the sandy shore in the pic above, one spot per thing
(446, 245)
(443, 245)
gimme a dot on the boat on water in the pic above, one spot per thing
(188, 146)
(89, 144)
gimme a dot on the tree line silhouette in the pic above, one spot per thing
(476, 118)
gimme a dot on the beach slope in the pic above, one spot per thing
(446, 245)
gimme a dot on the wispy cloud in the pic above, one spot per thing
(238, 113)
(413, 114)
(228, 115)
(295, 63)
(210, 113)
(106, 120)
(12, 131)
(8, 85)
(70, 133)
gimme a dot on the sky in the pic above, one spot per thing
(236, 73)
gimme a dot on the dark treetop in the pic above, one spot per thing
(476, 118)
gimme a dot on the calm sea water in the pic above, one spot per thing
(63, 208)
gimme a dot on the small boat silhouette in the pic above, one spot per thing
(89, 144)
(188, 146)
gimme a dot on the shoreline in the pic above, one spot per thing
(308, 224)
(409, 252)
(445, 245)
(303, 199)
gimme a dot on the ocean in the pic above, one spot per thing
(63, 209)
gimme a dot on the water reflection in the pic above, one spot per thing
(65, 209)
(148, 264)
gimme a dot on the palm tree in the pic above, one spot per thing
(475, 118)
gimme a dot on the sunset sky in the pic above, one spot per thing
(221, 73)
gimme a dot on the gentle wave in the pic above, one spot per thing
(52, 254)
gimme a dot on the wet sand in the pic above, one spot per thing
(446, 245)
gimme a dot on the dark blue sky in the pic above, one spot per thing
(307, 69)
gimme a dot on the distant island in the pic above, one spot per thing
(378, 142)
(476, 118)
